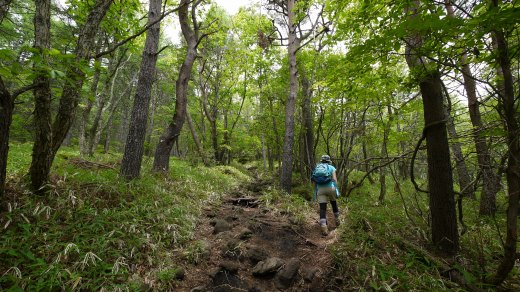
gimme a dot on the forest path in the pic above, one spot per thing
(243, 244)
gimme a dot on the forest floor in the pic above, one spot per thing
(244, 244)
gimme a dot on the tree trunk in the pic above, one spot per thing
(264, 152)
(440, 180)
(42, 161)
(509, 112)
(308, 128)
(70, 96)
(384, 154)
(167, 139)
(196, 139)
(134, 147)
(85, 113)
(287, 154)
(490, 180)
(460, 163)
(6, 117)
(42, 148)
(402, 163)
(148, 140)
(106, 145)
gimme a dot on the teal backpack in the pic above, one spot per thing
(322, 174)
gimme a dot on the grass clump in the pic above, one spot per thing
(95, 230)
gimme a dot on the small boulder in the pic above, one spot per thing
(269, 266)
(198, 289)
(256, 254)
(230, 266)
(309, 273)
(221, 226)
(245, 233)
(286, 276)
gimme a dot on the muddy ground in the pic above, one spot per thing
(242, 245)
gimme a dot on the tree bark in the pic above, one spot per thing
(287, 154)
(508, 107)
(167, 139)
(440, 180)
(134, 147)
(6, 117)
(42, 148)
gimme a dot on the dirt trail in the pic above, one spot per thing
(245, 246)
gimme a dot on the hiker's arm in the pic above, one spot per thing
(334, 177)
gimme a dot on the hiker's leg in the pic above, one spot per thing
(323, 219)
(323, 213)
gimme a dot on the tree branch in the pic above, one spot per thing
(143, 30)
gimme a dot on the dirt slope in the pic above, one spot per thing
(245, 246)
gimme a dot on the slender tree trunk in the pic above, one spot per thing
(460, 163)
(151, 118)
(196, 139)
(402, 163)
(41, 153)
(167, 139)
(134, 147)
(85, 114)
(70, 96)
(384, 154)
(290, 106)
(276, 152)
(6, 117)
(264, 152)
(490, 180)
(94, 133)
(509, 109)
(440, 180)
(108, 134)
(308, 128)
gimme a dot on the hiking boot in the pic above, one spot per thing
(324, 230)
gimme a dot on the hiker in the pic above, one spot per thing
(326, 189)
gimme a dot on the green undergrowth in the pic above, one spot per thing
(386, 245)
(97, 231)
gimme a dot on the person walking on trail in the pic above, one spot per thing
(326, 189)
